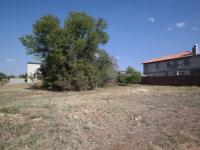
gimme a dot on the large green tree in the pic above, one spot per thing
(71, 56)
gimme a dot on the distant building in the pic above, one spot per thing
(185, 63)
(33, 71)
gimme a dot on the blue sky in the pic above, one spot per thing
(139, 29)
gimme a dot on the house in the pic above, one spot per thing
(33, 71)
(184, 63)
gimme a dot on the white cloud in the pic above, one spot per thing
(180, 24)
(118, 57)
(152, 19)
(169, 29)
(10, 60)
(194, 28)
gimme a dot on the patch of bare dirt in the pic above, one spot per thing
(16, 119)
(116, 118)
(2, 117)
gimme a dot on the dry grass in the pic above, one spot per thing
(134, 117)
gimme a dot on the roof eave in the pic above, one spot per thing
(165, 60)
(39, 63)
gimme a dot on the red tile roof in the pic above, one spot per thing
(170, 57)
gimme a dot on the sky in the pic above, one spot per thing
(138, 29)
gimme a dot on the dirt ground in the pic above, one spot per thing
(115, 118)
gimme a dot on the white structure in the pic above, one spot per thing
(32, 70)
(16, 80)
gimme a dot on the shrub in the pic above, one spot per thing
(121, 78)
(59, 85)
(80, 82)
(3, 79)
(9, 110)
(2, 76)
(131, 76)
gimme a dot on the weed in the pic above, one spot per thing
(86, 128)
(9, 110)
(32, 140)
(198, 133)
(1, 146)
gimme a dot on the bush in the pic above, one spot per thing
(59, 85)
(121, 79)
(9, 110)
(3, 79)
(2, 76)
(80, 82)
(131, 76)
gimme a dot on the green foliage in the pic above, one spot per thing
(121, 78)
(3, 79)
(131, 76)
(9, 110)
(2, 76)
(70, 55)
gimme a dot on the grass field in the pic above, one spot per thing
(133, 117)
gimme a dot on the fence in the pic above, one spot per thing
(172, 80)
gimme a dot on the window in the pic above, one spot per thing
(146, 68)
(168, 65)
(187, 62)
(175, 64)
(157, 65)
(179, 64)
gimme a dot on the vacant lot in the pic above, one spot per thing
(134, 117)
